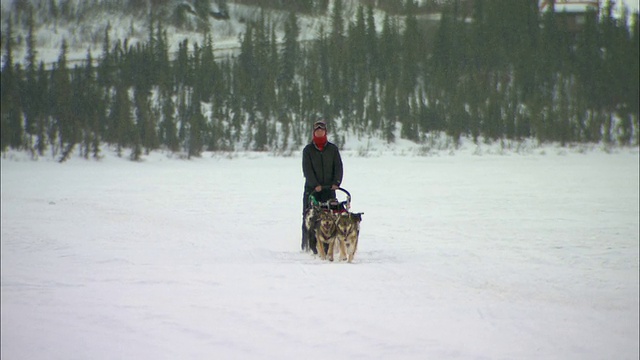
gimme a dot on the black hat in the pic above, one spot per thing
(320, 124)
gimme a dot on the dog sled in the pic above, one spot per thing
(331, 223)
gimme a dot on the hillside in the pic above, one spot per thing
(83, 24)
(229, 75)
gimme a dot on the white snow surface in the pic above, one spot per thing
(462, 255)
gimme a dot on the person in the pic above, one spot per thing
(322, 169)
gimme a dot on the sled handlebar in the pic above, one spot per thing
(327, 187)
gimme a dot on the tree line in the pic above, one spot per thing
(508, 72)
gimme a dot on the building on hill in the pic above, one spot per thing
(572, 14)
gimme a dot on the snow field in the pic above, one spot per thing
(460, 257)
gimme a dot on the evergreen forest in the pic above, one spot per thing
(490, 70)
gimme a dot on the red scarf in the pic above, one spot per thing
(320, 142)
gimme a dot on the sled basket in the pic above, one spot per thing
(333, 205)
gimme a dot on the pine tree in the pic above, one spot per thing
(10, 118)
(53, 11)
(161, 56)
(265, 67)
(550, 62)
(197, 127)
(30, 102)
(337, 63)
(323, 56)
(261, 136)
(390, 106)
(168, 131)
(444, 72)
(105, 97)
(289, 97)
(411, 46)
(623, 54)
(106, 65)
(525, 57)
(312, 90)
(43, 110)
(372, 44)
(181, 65)
(220, 73)
(634, 67)
(120, 119)
(373, 108)
(563, 126)
(290, 51)
(90, 106)
(587, 67)
(62, 94)
(358, 74)
(145, 121)
(246, 70)
(71, 109)
(236, 108)
(183, 119)
(412, 41)
(207, 72)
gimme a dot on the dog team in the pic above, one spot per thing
(327, 230)
(324, 226)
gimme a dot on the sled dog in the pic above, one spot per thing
(310, 217)
(347, 232)
(325, 234)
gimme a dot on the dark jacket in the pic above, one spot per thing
(321, 167)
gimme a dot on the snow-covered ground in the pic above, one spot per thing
(468, 255)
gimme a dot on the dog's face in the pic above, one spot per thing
(349, 223)
(326, 222)
(357, 217)
(345, 224)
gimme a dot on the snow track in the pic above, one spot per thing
(460, 257)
